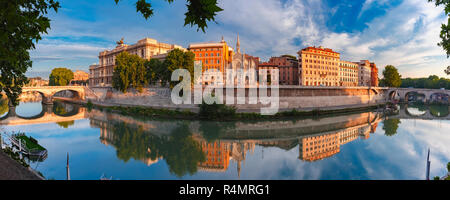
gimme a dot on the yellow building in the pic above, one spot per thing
(319, 147)
(80, 78)
(101, 74)
(348, 73)
(37, 81)
(319, 67)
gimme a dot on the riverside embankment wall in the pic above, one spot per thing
(290, 97)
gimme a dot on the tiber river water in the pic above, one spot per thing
(347, 147)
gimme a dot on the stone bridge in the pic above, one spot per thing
(403, 93)
(425, 115)
(47, 92)
(46, 116)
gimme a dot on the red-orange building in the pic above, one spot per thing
(288, 69)
(215, 56)
(217, 156)
(374, 75)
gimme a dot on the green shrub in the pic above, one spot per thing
(436, 178)
(216, 111)
(448, 166)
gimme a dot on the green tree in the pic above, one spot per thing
(177, 59)
(60, 77)
(21, 24)
(199, 11)
(154, 70)
(432, 82)
(447, 71)
(390, 126)
(129, 72)
(391, 77)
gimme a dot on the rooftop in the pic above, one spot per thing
(319, 49)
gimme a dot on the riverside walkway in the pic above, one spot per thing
(11, 170)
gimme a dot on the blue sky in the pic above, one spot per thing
(403, 33)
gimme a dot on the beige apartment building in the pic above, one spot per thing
(319, 67)
(101, 74)
(348, 73)
(80, 78)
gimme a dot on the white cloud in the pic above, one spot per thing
(406, 36)
(271, 27)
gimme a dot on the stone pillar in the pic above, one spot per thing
(47, 99)
(12, 111)
(428, 97)
(47, 108)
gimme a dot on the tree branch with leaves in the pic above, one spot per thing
(445, 28)
(21, 24)
(199, 11)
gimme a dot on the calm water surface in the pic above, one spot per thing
(349, 147)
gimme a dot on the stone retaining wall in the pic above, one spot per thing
(291, 97)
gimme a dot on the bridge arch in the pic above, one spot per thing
(392, 94)
(75, 94)
(37, 116)
(65, 110)
(409, 96)
(440, 97)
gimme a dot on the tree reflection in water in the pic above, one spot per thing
(64, 109)
(390, 126)
(181, 152)
(439, 110)
(4, 108)
(66, 124)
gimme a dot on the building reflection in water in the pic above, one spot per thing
(149, 144)
(319, 147)
(218, 155)
(189, 146)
